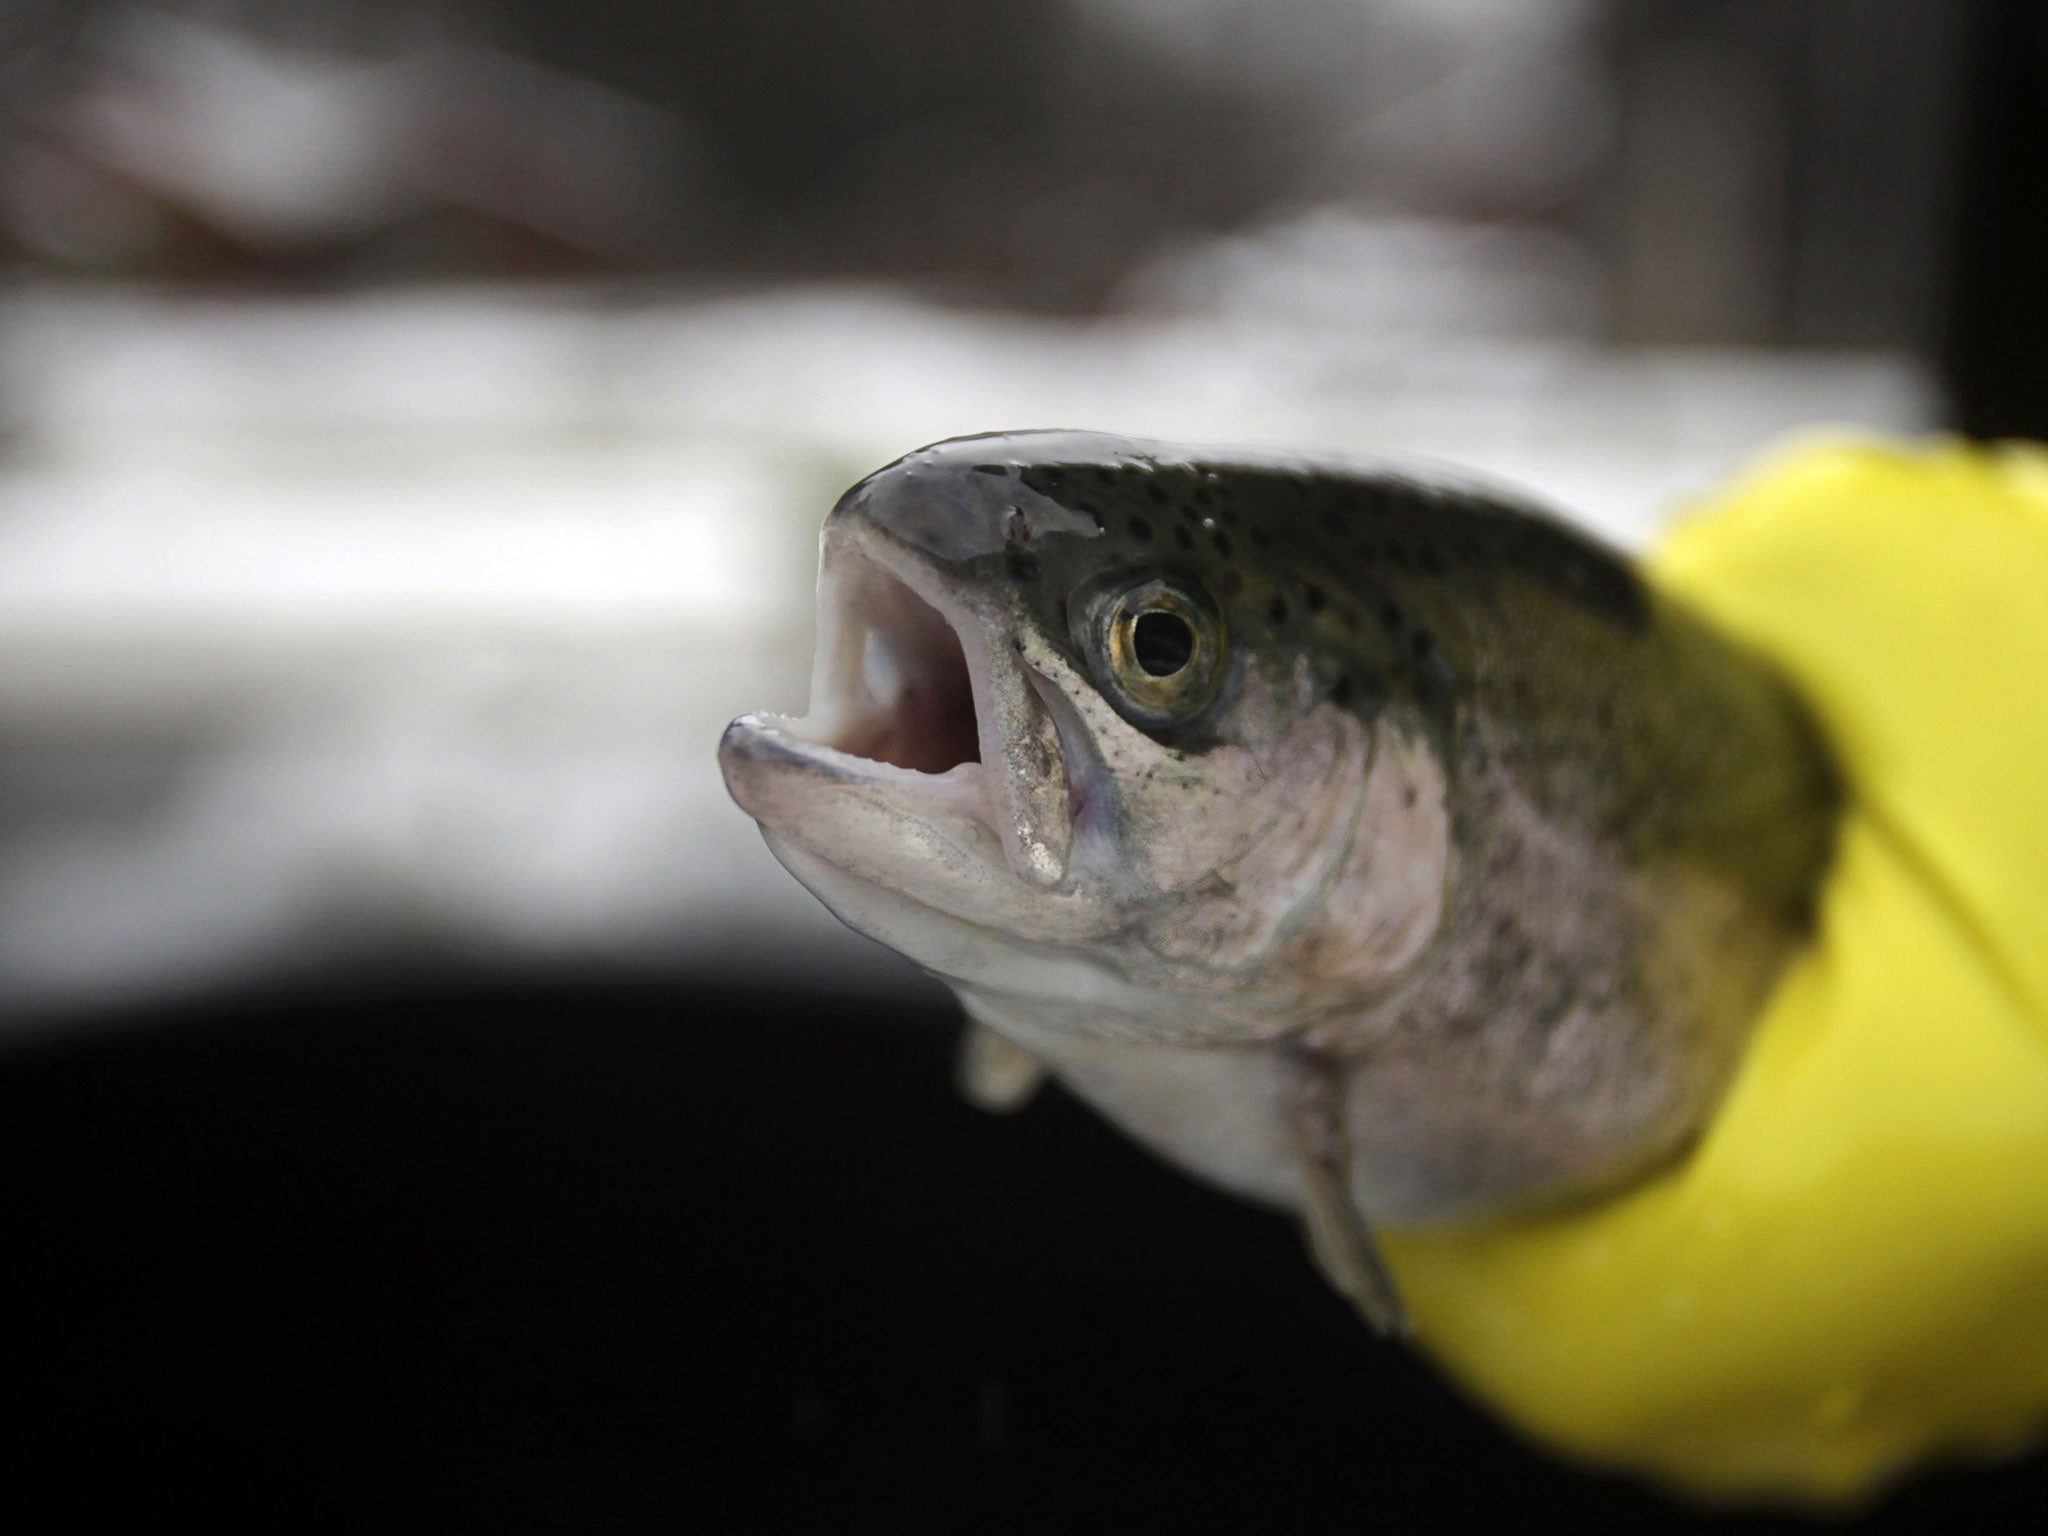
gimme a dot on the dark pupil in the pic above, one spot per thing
(1162, 642)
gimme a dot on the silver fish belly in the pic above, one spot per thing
(1377, 847)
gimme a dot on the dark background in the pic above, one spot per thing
(549, 1256)
(564, 1251)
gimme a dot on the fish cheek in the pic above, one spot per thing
(1384, 903)
(1191, 823)
(1256, 872)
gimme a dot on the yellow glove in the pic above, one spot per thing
(1850, 1272)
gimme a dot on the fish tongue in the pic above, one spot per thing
(1026, 774)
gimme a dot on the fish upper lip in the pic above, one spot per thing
(911, 693)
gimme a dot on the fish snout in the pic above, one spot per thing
(957, 502)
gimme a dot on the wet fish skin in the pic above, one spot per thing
(1495, 842)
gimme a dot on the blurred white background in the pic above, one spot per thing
(415, 420)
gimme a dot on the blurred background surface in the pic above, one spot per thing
(415, 419)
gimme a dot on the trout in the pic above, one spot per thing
(1366, 841)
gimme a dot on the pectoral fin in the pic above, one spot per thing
(994, 1074)
(1339, 1237)
(1341, 1242)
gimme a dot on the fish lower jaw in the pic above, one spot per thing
(776, 768)
(971, 924)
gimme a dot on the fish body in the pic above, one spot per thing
(1367, 842)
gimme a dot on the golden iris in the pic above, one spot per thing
(1162, 647)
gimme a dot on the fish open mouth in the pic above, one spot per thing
(891, 682)
(894, 711)
(916, 705)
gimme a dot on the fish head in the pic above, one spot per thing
(1087, 740)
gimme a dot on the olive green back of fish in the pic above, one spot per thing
(1511, 633)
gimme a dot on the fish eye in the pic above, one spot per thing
(1163, 642)
(1159, 648)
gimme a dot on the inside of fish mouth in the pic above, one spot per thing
(899, 690)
